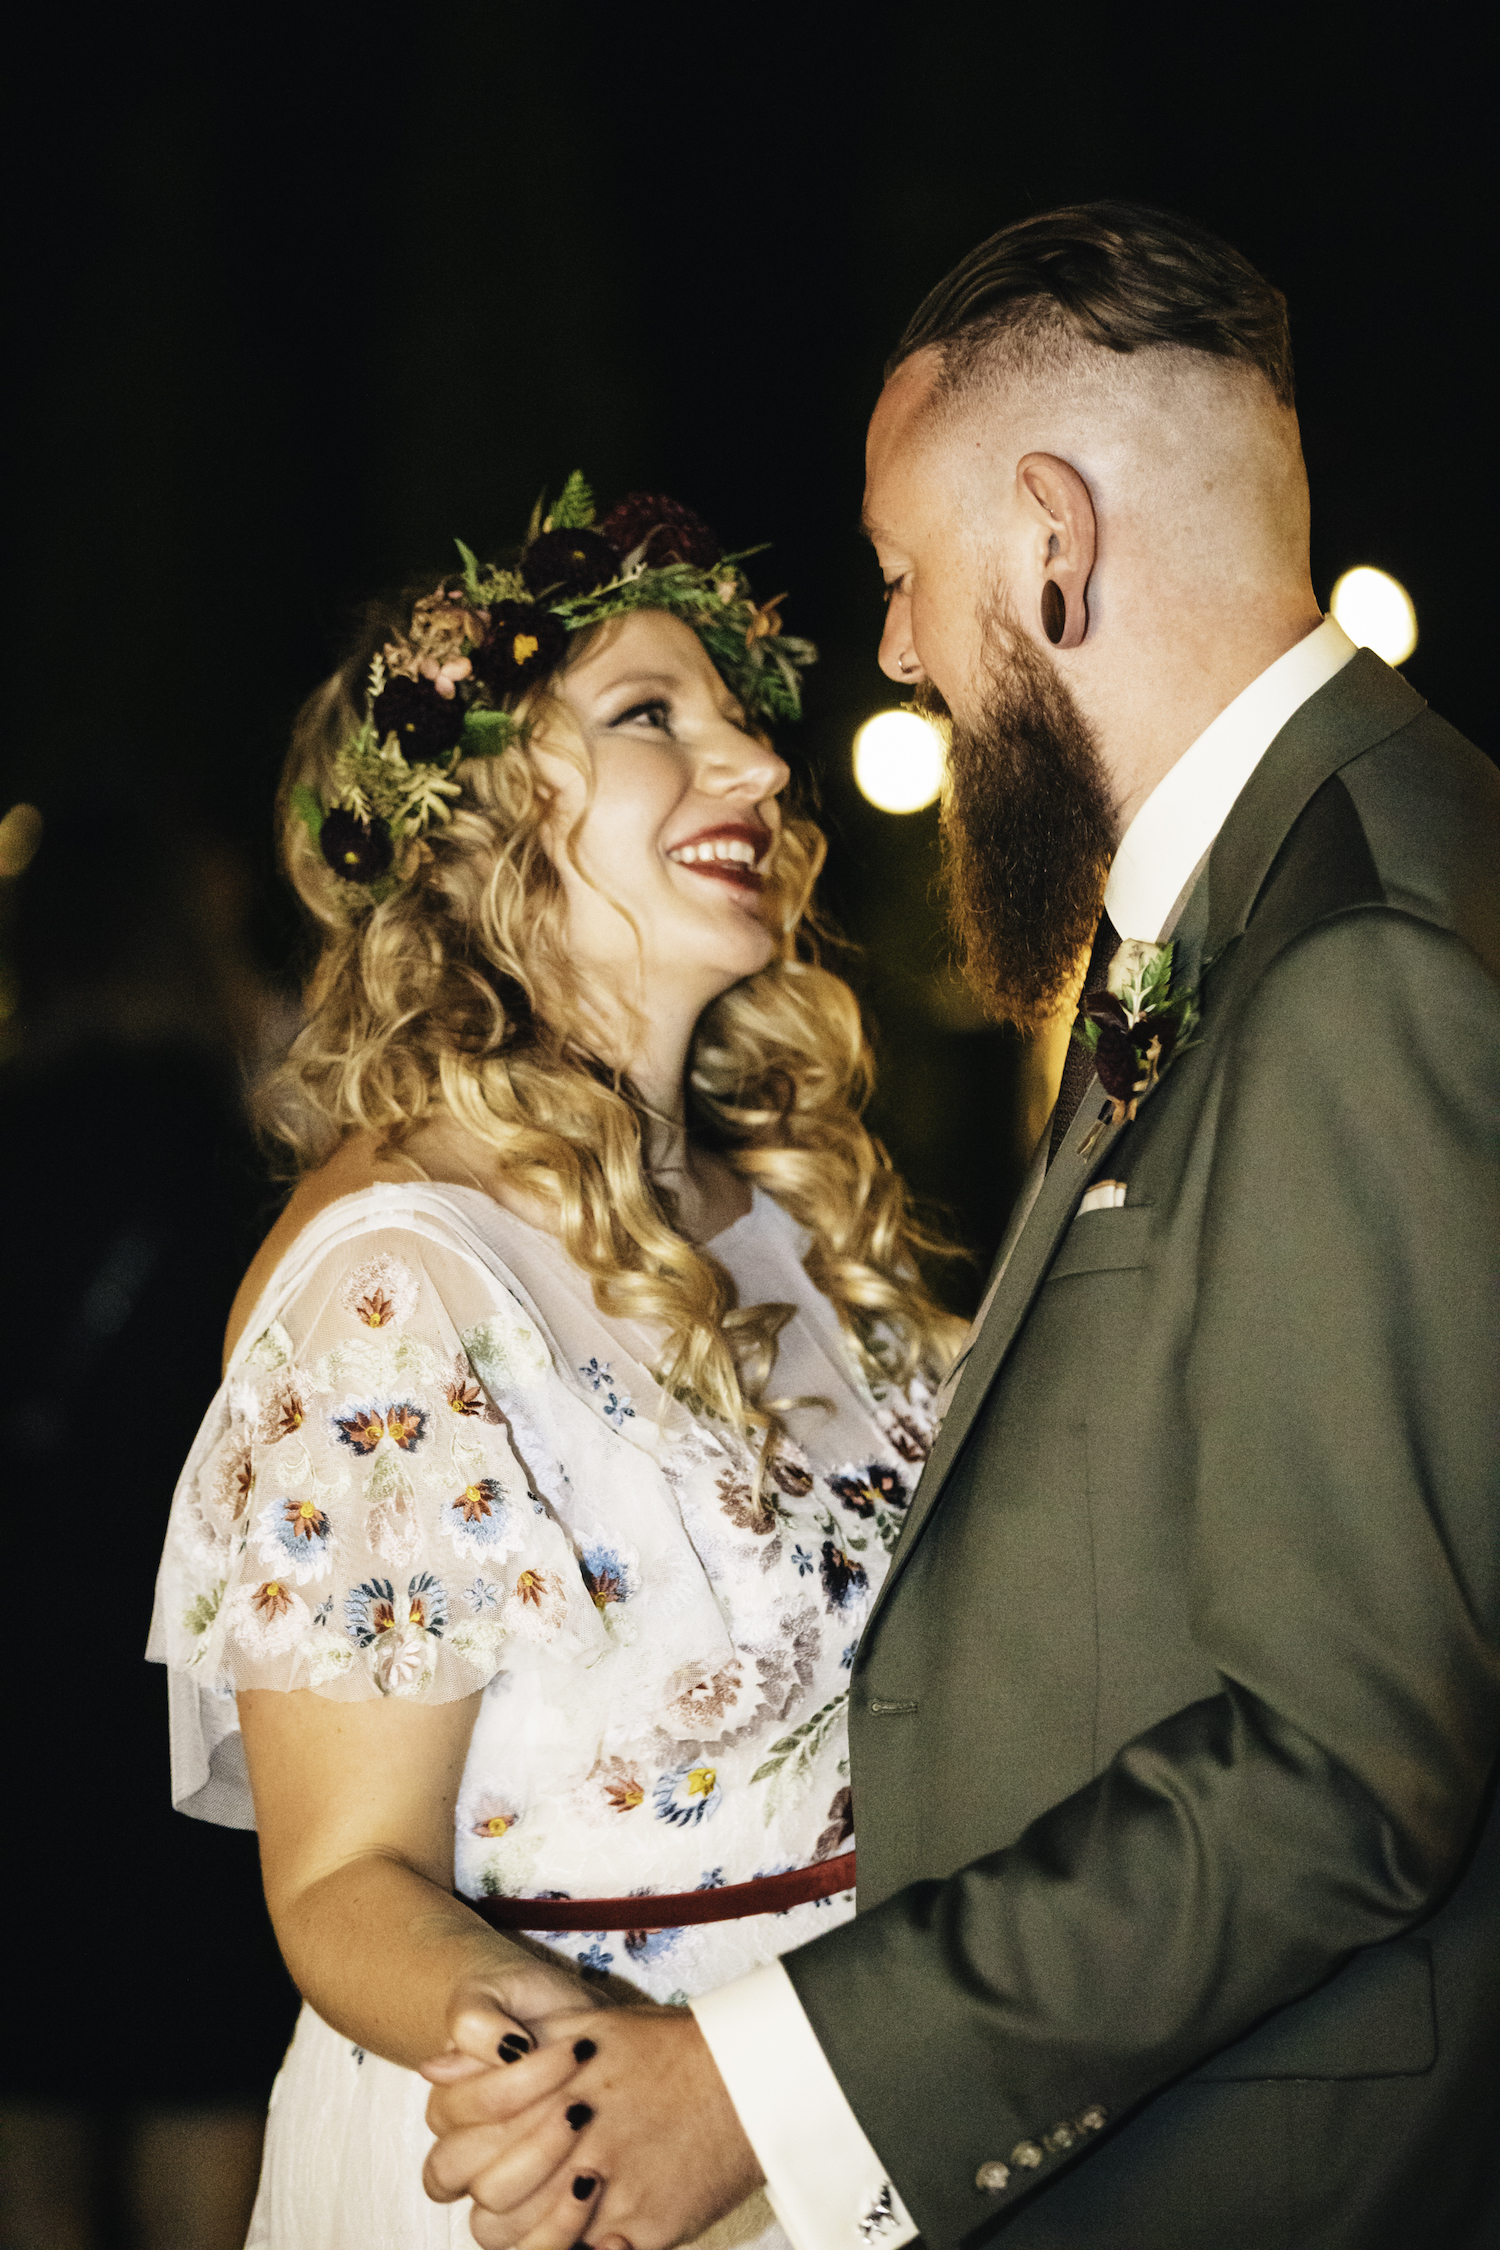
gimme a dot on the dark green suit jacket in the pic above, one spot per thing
(1175, 1730)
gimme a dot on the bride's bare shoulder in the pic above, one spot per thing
(355, 1164)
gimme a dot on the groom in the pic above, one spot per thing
(1175, 1729)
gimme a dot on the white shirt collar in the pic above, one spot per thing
(1175, 828)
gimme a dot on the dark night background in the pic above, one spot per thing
(295, 298)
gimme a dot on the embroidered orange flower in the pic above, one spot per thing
(465, 1396)
(404, 1424)
(625, 1794)
(477, 1501)
(305, 1519)
(363, 1429)
(271, 1600)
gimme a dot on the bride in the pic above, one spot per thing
(572, 1406)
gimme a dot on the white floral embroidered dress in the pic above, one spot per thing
(435, 1467)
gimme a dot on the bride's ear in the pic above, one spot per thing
(1064, 538)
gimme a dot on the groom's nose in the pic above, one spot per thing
(898, 659)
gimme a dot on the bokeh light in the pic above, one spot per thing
(20, 834)
(1376, 612)
(898, 761)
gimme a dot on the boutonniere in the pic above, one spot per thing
(1133, 1025)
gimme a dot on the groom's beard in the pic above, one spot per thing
(1029, 829)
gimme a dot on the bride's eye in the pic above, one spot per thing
(656, 713)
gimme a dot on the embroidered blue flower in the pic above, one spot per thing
(605, 1576)
(802, 1559)
(293, 1536)
(365, 1424)
(373, 1609)
(477, 1516)
(615, 1403)
(846, 1661)
(869, 1485)
(595, 1958)
(713, 1880)
(687, 1796)
(323, 1611)
(844, 1580)
(483, 1594)
(650, 1945)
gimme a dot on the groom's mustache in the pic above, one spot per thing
(1028, 829)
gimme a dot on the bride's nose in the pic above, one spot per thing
(735, 764)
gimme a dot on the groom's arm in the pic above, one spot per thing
(1227, 1861)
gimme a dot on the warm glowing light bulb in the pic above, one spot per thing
(898, 761)
(1376, 612)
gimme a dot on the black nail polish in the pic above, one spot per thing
(513, 2046)
(584, 2050)
(584, 2186)
(578, 2115)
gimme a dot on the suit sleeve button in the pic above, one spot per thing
(993, 2177)
(1027, 2155)
(1061, 2137)
(1091, 2119)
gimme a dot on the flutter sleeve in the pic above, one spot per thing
(354, 1517)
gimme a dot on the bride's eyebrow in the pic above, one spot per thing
(636, 680)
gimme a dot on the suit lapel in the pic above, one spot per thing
(1359, 707)
(1051, 1215)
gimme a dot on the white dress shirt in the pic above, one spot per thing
(825, 2181)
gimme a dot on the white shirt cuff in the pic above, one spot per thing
(824, 2181)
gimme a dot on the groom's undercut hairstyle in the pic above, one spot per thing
(1118, 275)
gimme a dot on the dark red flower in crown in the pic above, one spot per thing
(358, 851)
(523, 644)
(565, 563)
(423, 722)
(672, 532)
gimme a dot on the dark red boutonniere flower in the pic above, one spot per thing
(1133, 1026)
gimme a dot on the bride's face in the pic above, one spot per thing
(660, 850)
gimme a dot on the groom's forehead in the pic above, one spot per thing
(901, 447)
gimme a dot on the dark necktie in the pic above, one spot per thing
(1078, 1066)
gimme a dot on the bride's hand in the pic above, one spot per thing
(498, 2018)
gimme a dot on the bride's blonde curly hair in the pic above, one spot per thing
(454, 995)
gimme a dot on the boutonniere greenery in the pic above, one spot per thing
(1133, 1025)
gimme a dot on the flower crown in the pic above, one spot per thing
(445, 689)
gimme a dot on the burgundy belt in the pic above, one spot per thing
(769, 1894)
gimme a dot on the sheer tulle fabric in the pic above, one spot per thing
(435, 1468)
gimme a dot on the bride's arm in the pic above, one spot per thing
(354, 1802)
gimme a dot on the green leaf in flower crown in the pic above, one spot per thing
(306, 808)
(471, 567)
(487, 733)
(573, 509)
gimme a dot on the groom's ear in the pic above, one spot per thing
(1060, 510)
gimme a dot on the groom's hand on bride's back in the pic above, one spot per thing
(616, 2125)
